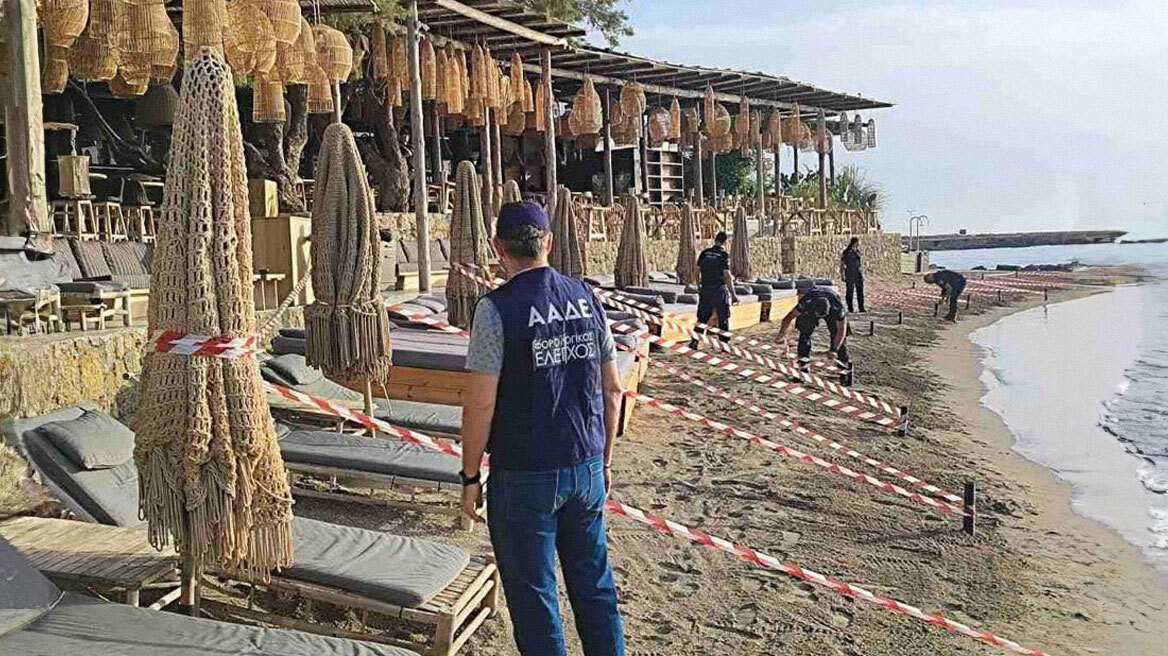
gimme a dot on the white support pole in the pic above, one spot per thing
(417, 140)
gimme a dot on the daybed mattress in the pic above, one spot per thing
(80, 626)
(369, 454)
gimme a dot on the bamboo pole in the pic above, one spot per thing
(760, 190)
(486, 167)
(336, 91)
(609, 191)
(24, 123)
(497, 158)
(417, 138)
(831, 165)
(549, 136)
(436, 155)
(820, 148)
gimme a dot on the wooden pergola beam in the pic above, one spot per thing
(501, 24)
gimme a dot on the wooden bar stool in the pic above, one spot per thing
(75, 217)
(111, 220)
(139, 222)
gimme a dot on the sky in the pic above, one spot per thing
(1010, 115)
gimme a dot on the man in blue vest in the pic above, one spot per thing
(544, 400)
(815, 305)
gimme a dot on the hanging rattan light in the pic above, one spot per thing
(248, 40)
(633, 104)
(333, 53)
(380, 54)
(120, 88)
(475, 113)
(773, 135)
(399, 62)
(718, 123)
(708, 102)
(464, 75)
(290, 66)
(870, 142)
(429, 68)
(320, 91)
(515, 73)
(659, 123)
(267, 100)
(203, 24)
(165, 60)
(144, 33)
(528, 102)
(284, 15)
(742, 121)
(516, 121)
(440, 77)
(55, 74)
(94, 55)
(541, 103)
(587, 115)
(157, 107)
(478, 74)
(64, 20)
(674, 121)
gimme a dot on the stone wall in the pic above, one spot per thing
(764, 255)
(403, 225)
(819, 255)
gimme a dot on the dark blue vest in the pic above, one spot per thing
(549, 412)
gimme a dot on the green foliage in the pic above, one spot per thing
(737, 174)
(852, 189)
(605, 16)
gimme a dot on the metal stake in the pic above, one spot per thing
(969, 519)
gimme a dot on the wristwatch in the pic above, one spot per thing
(469, 480)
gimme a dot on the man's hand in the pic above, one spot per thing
(472, 502)
(734, 300)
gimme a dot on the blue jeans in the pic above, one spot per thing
(533, 516)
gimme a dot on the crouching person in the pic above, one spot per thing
(544, 401)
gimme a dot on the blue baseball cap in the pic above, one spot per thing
(514, 216)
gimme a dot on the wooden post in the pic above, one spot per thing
(821, 138)
(969, 519)
(778, 168)
(609, 190)
(497, 158)
(713, 179)
(643, 148)
(795, 172)
(24, 129)
(436, 155)
(549, 137)
(759, 170)
(417, 139)
(486, 165)
(699, 179)
(831, 165)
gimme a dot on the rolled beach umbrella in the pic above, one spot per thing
(468, 243)
(632, 264)
(511, 193)
(687, 256)
(346, 327)
(210, 475)
(740, 250)
(566, 254)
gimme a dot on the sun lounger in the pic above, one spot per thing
(38, 619)
(372, 571)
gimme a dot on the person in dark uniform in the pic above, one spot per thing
(852, 273)
(716, 290)
(543, 400)
(951, 284)
(816, 304)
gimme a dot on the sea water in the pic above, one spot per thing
(1083, 386)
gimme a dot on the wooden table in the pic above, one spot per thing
(105, 557)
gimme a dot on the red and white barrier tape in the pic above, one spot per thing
(985, 284)
(221, 346)
(795, 454)
(767, 378)
(697, 536)
(802, 431)
(428, 320)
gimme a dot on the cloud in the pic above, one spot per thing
(1010, 115)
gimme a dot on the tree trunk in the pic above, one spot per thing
(296, 131)
(393, 173)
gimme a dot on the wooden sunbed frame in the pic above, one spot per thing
(455, 612)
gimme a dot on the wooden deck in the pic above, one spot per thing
(742, 316)
(109, 558)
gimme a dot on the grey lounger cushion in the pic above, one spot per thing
(25, 594)
(14, 429)
(109, 496)
(429, 349)
(431, 417)
(398, 570)
(292, 370)
(94, 440)
(81, 626)
(369, 454)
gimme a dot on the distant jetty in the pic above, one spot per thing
(957, 242)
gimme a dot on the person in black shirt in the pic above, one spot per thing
(951, 284)
(852, 273)
(717, 286)
(819, 303)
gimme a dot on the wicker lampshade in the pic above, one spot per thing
(399, 62)
(93, 57)
(494, 87)
(674, 121)
(528, 102)
(428, 61)
(248, 40)
(475, 114)
(284, 15)
(320, 91)
(708, 102)
(718, 122)
(333, 53)
(871, 136)
(587, 114)
(203, 24)
(290, 64)
(478, 74)
(516, 73)
(157, 107)
(774, 129)
(120, 88)
(506, 94)
(55, 74)
(632, 101)
(690, 123)
(144, 37)
(64, 21)
(541, 100)
(464, 72)
(380, 54)
(658, 126)
(165, 60)
(267, 100)
(516, 121)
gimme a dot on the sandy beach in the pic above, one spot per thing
(1035, 572)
